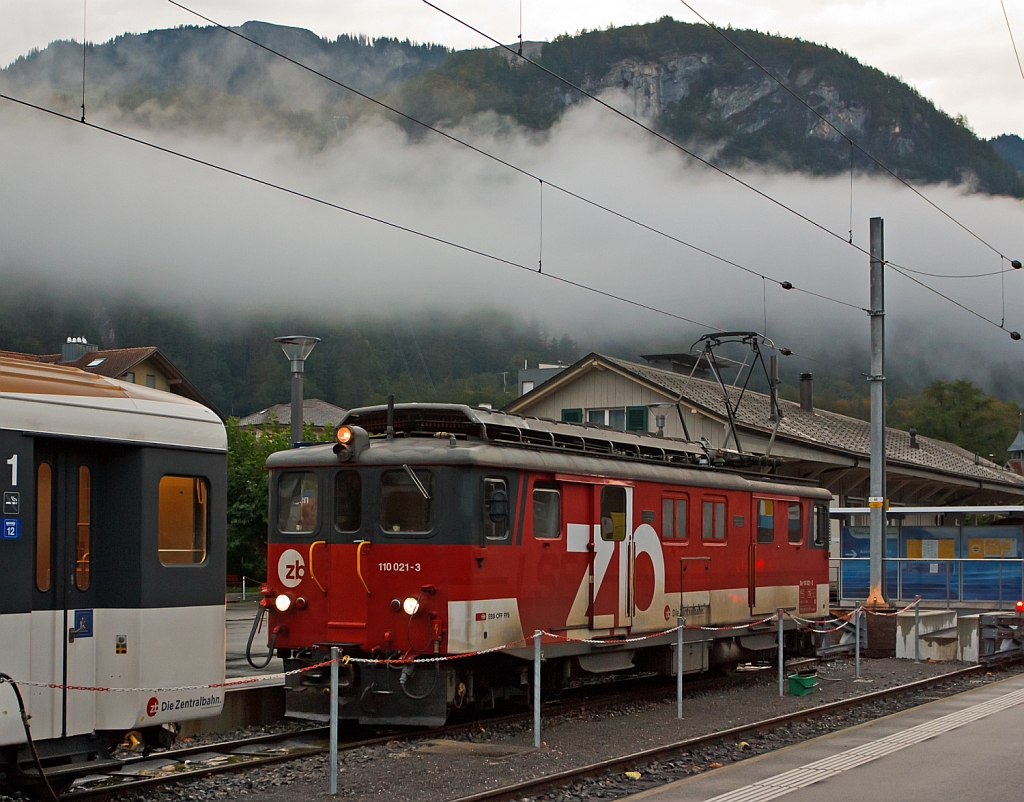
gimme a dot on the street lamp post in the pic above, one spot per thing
(297, 348)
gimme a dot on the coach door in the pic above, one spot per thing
(604, 599)
(63, 649)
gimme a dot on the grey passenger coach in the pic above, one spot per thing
(111, 565)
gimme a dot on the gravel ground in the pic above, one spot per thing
(434, 770)
(428, 770)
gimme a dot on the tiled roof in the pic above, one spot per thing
(1018, 442)
(113, 363)
(821, 428)
(314, 411)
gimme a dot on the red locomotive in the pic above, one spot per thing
(444, 530)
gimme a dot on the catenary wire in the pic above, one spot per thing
(847, 137)
(1012, 41)
(354, 212)
(505, 163)
(723, 171)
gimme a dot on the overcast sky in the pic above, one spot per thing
(955, 53)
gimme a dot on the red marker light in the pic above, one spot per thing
(1020, 607)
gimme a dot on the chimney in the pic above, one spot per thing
(913, 439)
(75, 348)
(806, 392)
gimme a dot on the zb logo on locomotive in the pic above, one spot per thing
(291, 568)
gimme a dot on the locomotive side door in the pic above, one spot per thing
(63, 649)
(599, 520)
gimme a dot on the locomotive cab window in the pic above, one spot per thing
(405, 505)
(496, 509)
(766, 520)
(348, 501)
(794, 520)
(820, 527)
(673, 518)
(713, 520)
(297, 494)
(182, 520)
(547, 513)
(613, 513)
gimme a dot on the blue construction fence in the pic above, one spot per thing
(954, 563)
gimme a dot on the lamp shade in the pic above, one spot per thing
(297, 347)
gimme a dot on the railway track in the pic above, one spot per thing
(189, 763)
(177, 765)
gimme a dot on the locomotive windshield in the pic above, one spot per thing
(404, 506)
(297, 502)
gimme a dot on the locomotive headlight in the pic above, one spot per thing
(283, 603)
(411, 606)
(344, 434)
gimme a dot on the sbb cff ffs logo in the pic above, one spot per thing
(291, 568)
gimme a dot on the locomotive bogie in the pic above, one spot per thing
(433, 544)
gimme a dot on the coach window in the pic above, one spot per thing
(297, 502)
(496, 506)
(83, 529)
(673, 518)
(819, 530)
(765, 520)
(613, 513)
(547, 513)
(348, 501)
(795, 523)
(405, 505)
(713, 520)
(44, 525)
(182, 517)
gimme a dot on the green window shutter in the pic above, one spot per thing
(572, 415)
(636, 419)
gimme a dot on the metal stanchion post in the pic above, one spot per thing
(1000, 584)
(679, 668)
(334, 720)
(856, 629)
(536, 689)
(781, 672)
(243, 588)
(917, 629)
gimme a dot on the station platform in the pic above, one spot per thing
(238, 625)
(965, 747)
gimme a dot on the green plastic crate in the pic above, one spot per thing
(802, 684)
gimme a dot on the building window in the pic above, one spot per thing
(348, 501)
(151, 380)
(44, 525)
(765, 520)
(795, 523)
(182, 520)
(673, 518)
(495, 530)
(83, 533)
(527, 387)
(622, 419)
(572, 416)
(547, 513)
(130, 377)
(403, 506)
(613, 513)
(713, 520)
(297, 502)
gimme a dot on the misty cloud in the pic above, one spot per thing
(81, 207)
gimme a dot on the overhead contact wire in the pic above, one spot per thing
(338, 207)
(504, 162)
(1012, 42)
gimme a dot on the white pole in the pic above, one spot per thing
(781, 672)
(536, 689)
(856, 619)
(334, 721)
(243, 588)
(917, 630)
(679, 668)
